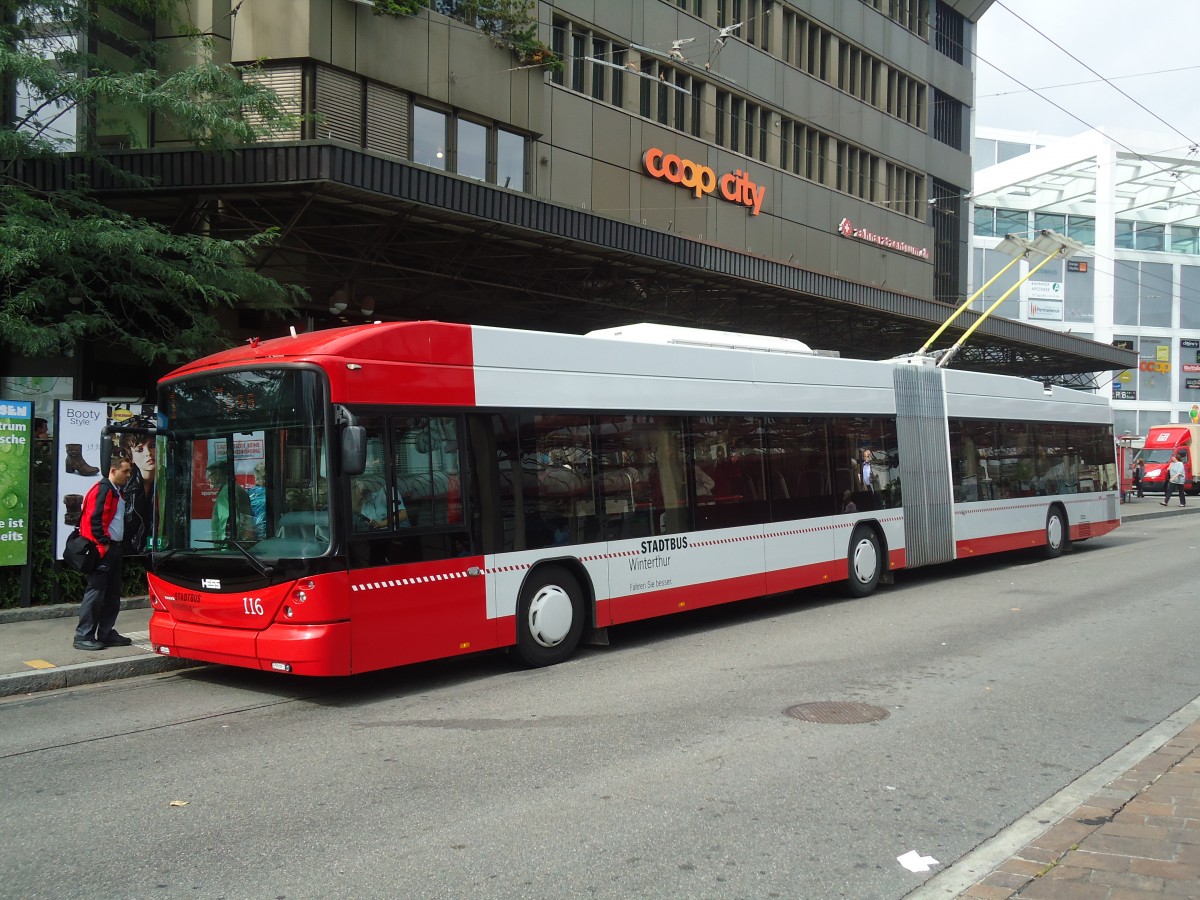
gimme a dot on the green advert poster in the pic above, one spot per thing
(16, 436)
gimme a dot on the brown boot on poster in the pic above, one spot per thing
(76, 464)
(74, 505)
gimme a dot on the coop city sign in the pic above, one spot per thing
(735, 186)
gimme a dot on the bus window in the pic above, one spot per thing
(558, 486)
(644, 475)
(728, 471)
(407, 505)
(798, 468)
(425, 451)
(866, 463)
(976, 461)
(1057, 470)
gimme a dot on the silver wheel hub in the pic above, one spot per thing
(1054, 532)
(550, 615)
(865, 561)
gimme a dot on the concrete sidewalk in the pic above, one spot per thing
(36, 652)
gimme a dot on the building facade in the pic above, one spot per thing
(1135, 206)
(787, 167)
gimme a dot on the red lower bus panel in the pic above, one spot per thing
(418, 612)
(672, 600)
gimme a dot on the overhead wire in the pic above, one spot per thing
(1138, 154)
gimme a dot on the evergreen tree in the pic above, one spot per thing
(80, 75)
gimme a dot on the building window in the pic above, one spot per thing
(1189, 297)
(1049, 222)
(1140, 236)
(471, 150)
(510, 160)
(429, 137)
(619, 58)
(577, 59)
(1185, 239)
(1082, 229)
(950, 28)
(558, 43)
(947, 120)
(991, 222)
(599, 72)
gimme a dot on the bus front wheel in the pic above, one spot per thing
(864, 562)
(1058, 533)
(550, 617)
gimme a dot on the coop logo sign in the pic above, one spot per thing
(735, 186)
(847, 229)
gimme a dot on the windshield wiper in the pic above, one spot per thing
(263, 569)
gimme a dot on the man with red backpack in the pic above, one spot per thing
(102, 522)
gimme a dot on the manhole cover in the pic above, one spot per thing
(835, 712)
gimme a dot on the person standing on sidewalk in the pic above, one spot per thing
(1175, 481)
(103, 522)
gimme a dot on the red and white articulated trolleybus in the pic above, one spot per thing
(366, 497)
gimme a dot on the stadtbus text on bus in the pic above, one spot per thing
(359, 498)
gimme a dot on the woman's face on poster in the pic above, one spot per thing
(143, 458)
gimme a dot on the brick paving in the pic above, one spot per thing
(1137, 837)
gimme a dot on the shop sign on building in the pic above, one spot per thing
(736, 186)
(1191, 367)
(1044, 290)
(1192, 384)
(846, 229)
(1124, 395)
(1044, 299)
(1189, 344)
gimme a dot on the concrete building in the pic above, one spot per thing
(1132, 199)
(787, 167)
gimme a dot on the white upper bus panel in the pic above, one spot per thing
(649, 333)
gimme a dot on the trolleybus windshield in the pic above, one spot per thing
(245, 473)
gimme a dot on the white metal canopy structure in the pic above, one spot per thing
(1099, 176)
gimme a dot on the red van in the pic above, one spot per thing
(1163, 442)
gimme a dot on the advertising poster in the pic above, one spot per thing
(210, 497)
(16, 440)
(80, 428)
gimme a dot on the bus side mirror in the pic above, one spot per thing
(354, 449)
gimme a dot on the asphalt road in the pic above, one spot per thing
(661, 766)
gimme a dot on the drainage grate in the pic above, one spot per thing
(835, 712)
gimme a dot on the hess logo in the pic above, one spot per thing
(212, 584)
(735, 186)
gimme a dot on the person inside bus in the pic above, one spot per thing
(231, 518)
(369, 503)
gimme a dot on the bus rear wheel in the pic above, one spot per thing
(864, 562)
(1058, 533)
(550, 617)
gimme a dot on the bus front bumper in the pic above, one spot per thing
(300, 649)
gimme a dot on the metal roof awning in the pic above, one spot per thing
(426, 244)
